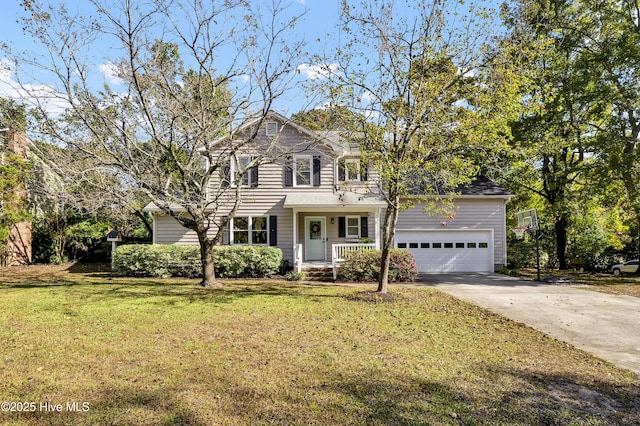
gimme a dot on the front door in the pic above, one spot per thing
(315, 238)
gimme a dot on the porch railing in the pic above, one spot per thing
(338, 251)
(297, 257)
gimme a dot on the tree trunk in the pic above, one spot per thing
(560, 225)
(390, 221)
(145, 220)
(208, 265)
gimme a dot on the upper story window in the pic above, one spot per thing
(352, 170)
(272, 128)
(302, 170)
(229, 172)
(249, 175)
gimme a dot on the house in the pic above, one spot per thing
(323, 201)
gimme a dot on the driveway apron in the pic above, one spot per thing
(605, 325)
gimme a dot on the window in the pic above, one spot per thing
(424, 245)
(351, 170)
(471, 245)
(272, 128)
(302, 168)
(249, 230)
(259, 230)
(250, 175)
(413, 245)
(353, 227)
(459, 245)
(448, 245)
(402, 245)
(483, 245)
(437, 245)
(240, 230)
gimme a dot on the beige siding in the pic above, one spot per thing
(471, 213)
(290, 140)
(168, 231)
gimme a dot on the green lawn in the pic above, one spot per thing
(147, 351)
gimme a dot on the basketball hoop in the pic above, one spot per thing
(519, 232)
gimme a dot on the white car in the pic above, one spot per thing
(627, 267)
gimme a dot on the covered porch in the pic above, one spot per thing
(325, 226)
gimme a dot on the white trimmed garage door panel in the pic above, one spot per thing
(449, 251)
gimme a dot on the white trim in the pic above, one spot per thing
(155, 230)
(234, 169)
(296, 159)
(249, 230)
(348, 236)
(269, 131)
(356, 165)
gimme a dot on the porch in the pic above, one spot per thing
(325, 225)
(337, 257)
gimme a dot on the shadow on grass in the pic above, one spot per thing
(512, 397)
(105, 286)
(125, 405)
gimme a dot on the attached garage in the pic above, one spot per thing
(449, 250)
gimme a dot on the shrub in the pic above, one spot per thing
(294, 276)
(364, 265)
(184, 261)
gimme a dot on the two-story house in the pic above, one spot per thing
(323, 200)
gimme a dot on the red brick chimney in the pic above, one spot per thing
(19, 246)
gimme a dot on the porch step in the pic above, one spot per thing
(317, 273)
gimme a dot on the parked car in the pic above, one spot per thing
(628, 267)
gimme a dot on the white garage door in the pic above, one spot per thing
(449, 251)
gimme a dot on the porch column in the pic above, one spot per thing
(297, 262)
(377, 231)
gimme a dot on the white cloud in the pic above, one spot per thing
(314, 72)
(110, 72)
(41, 95)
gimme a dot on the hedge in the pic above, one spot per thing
(364, 265)
(184, 261)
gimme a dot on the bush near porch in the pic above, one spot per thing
(184, 261)
(364, 265)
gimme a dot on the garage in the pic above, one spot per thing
(450, 250)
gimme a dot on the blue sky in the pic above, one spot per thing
(318, 28)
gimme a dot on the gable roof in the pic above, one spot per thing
(480, 186)
(483, 186)
(321, 137)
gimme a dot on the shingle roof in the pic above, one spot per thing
(482, 185)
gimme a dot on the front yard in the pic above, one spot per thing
(152, 351)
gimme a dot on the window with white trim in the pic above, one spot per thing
(302, 170)
(242, 164)
(352, 227)
(352, 170)
(249, 230)
(271, 128)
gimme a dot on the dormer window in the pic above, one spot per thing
(272, 128)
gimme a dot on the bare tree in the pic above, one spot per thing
(436, 86)
(186, 78)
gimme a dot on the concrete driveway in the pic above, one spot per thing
(605, 325)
